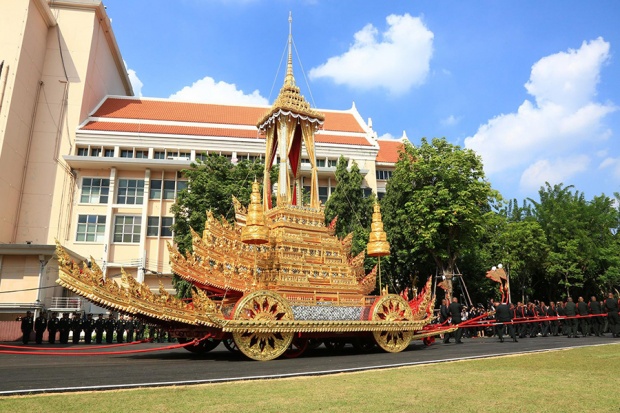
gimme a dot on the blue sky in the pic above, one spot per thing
(532, 86)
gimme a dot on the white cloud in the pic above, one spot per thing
(387, 136)
(450, 120)
(396, 61)
(136, 83)
(564, 118)
(554, 172)
(613, 164)
(206, 90)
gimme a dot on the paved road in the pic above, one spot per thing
(22, 373)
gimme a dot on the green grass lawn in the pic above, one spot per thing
(585, 379)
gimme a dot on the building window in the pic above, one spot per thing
(95, 190)
(181, 185)
(82, 151)
(305, 160)
(126, 153)
(383, 174)
(108, 153)
(380, 195)
(366, 192)
(323, 194)
(201, 156)
(95, 151)
(332, 163)
(155, 190)
(166, 224)
(127, 228)
(142, 154)
(169, 189)
(159, 155)
(130, 191)
(152, 229)
(320, 162)
(185, 155)
(90, 228)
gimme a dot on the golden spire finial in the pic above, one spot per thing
(378, 245)
(255, 230)
(290, 79)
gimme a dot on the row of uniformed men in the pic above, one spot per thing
(65, 325)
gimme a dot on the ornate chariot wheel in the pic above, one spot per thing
(298, 346)
(262, 306)
(391, 308)
(230, 345)
(201, 347)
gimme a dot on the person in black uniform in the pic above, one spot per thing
(502, 315)
(139, 330)
(120, 328)
(455, 311)
(562, 313)
(595, 308)
(52, 328)
(64, 326)
(89, 326)
(571, 323)
(110, 326)
(553, 324)
(26, 326)
(77, 325)
(40, 325)
(443, 317)
(99, 328)
(611, 306)
(130, 328)
(584, 323)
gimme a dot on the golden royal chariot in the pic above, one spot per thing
(278, 278)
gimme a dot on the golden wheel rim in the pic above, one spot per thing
(392, 308)
(262, 306)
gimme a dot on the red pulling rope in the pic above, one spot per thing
(100, 353)
(43, 349)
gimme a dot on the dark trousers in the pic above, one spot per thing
(99, 336)
(39, 336)
(88, 336)
(571, 327)
(511, 331)
(109, 336)
(596, 325)
(64, 336)
(26, 336)
(584, 325)
(51, 337)
(553, 325)
(76, 336)
(614, 323)
(119, 336)
(129, 336)
(523, 328)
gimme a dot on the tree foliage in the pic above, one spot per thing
(434, 206)
(347, 202)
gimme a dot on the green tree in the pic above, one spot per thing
(211, 185)
(347, 202)
(435, 205)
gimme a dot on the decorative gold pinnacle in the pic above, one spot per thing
(377, 241)
(255, 230)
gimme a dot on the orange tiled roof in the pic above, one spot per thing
(388, 150)
(169, 129)
(208, 131)
(169, 110)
